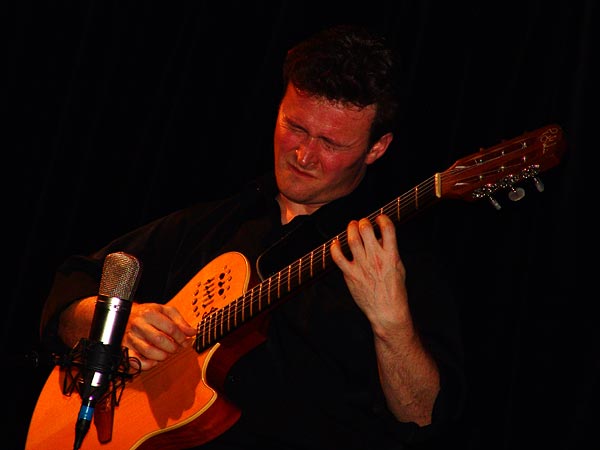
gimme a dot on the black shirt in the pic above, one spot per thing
(313, 383)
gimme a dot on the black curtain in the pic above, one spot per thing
(121, 111)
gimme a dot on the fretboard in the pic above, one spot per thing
(278, 286)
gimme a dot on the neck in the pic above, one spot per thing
(290, 209)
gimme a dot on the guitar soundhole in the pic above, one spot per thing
(211, 294)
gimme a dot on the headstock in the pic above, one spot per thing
(503, 166)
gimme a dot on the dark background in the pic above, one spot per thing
(121, 111)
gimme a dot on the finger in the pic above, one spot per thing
(153, 333)
(143, 347)
(367, 233)
(144, 363)
(186, 329)
(337, 255)
(388, 231)
(165, 327)
(355, 240)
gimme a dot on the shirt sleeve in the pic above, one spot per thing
(170, 249)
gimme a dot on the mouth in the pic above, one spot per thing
(299, 172)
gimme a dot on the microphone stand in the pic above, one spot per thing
(98, 403)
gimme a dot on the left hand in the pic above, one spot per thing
(375, 275)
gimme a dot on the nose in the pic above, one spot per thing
(306, 153)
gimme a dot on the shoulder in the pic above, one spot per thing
(253, 194)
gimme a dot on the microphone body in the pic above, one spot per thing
(103, 353)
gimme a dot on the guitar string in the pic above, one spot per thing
(499, 152)
(293, 272)
(210, 323)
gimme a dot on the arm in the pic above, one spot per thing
(376, 279)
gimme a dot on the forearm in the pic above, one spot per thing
(76, 320)
(409, 376)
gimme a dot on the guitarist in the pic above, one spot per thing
(367, 357)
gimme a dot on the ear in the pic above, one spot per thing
(378, 149)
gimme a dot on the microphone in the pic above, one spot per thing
(103, 353)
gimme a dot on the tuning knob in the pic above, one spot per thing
(516, 194)
(494, 202)
(538, 184)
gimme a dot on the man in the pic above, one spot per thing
(366, 357)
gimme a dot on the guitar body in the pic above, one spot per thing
(172, 405)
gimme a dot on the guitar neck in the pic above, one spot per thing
(471, 178)
(278, 286)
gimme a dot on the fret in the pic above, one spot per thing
(256, 304)
(243, 309)
(227, 313)
(269, 291)
(251, 303)
(219, 330)
(209, 328)
(279, 284)
(225, 328)
(438, 185)
(201, 332)
(417, 197)
(215, 325)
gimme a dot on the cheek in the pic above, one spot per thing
(337, 164)
(285, 142)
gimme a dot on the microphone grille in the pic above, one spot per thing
(119, 275)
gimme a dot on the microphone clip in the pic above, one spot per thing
(80, 364)
(77, 365)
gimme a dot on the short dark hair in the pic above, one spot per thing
(348, 64)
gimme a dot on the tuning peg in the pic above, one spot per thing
(538, 184)
(494, 202)
(516, 194)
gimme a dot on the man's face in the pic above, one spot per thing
(321, 148)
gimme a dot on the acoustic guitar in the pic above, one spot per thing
(179, 403)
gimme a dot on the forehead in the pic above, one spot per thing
(302, 107)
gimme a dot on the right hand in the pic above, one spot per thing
(155, 332)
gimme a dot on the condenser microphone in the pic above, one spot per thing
(103, 352)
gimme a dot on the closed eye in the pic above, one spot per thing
(325, 141)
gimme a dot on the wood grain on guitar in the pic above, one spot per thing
(179, 404)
